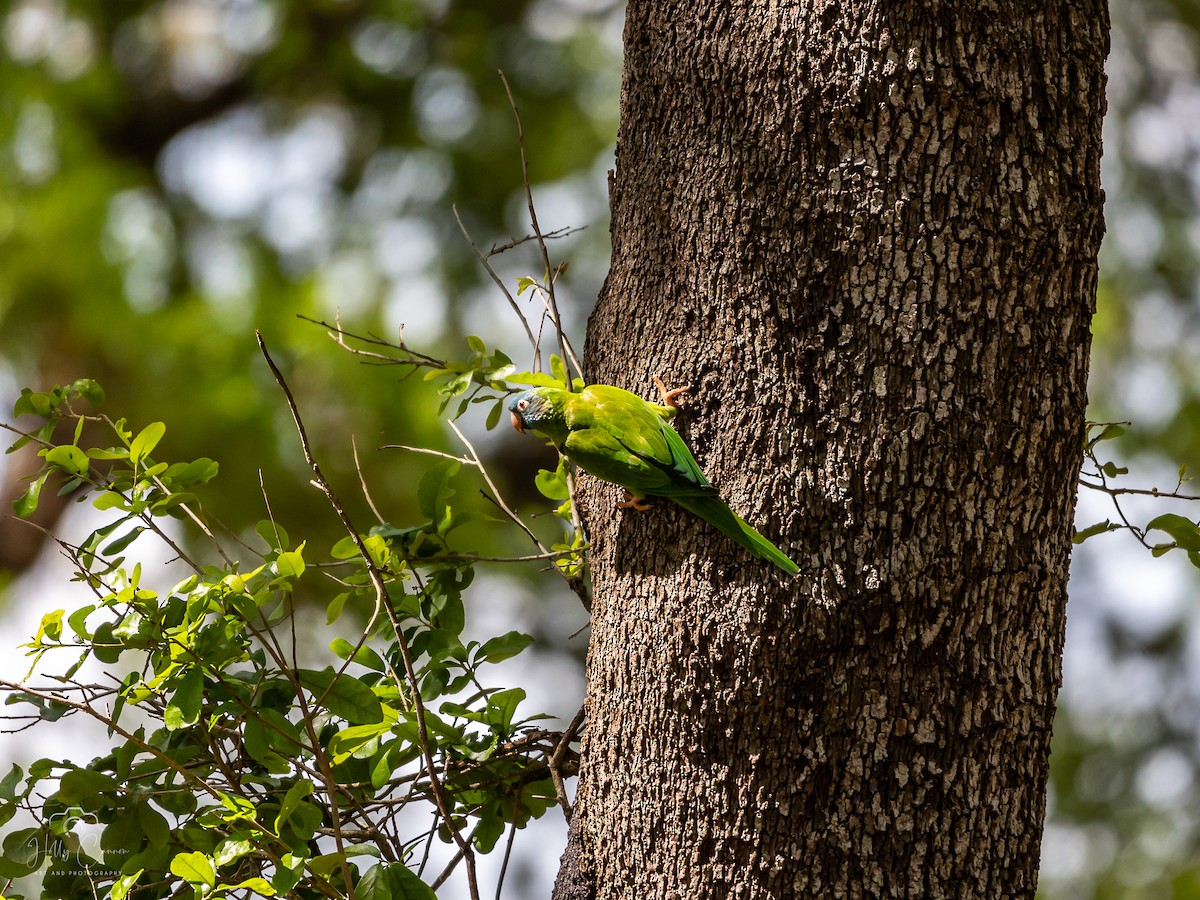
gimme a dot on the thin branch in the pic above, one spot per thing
(512, 301)
(496, 498)
(362, 481)
(551, 273)
(556, 760)
(565, 231)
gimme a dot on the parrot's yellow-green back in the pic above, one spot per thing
(618, 436)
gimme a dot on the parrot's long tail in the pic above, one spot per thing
(715, 511)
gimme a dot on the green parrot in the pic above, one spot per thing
(618, 436)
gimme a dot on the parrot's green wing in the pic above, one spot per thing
(621, 438)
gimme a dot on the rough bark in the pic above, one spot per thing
(866, 234)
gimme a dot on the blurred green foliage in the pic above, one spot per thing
(178, 173)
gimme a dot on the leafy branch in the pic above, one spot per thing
(1098, 475)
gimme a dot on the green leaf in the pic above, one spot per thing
(184, 708)
(10, 783)
(333, 611)
(434, 491)
(116, 546)
(154, 825)
(146, 441)
(110, 500)
(290, 564)
(259, 886)
(489, 830)
(364, 655)
(558, 368)
(69, 459)
(502, 708)
(476, 343)
(294, 797)
(51, 625)
(22, 852)
(230, 849)
(25, 505)
(80, 784)
(273, 533)
(1099, 528)
(346, 697)
(552, 485)
(1182, 530)
(493, 417)
(122, 885)
(194, 868)
(88, 389)
(503, 647)
(288, 873)
(351, 741)
(535, 379)
(393, 881)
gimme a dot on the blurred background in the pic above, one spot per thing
(175, 174)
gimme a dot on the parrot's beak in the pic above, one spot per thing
(517, 423)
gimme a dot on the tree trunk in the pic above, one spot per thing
(866, 235)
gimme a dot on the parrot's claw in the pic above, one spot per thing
(668, 397)
(632, 502)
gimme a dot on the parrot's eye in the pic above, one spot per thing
(522, 405)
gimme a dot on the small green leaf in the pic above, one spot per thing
(116, 546)
(503, 647)
(230, 849)
(333, 611)
(110, 500)
(351, 741)
(184, 708)
(434, 491)
(81, 784)
(552, 485)
(121, 886)
(493, 417)
(259, 886)
(364, 655)
(535, 379)
(294, 797)
(346, 697)
(1182, 530)
(25, 505)
(393, 881)
(146, 441)
(290, 564)
(194, 868)
(51, 625)
(1092, 530)
(558, 368)
(69, 459)
(476, 343)
(88, 389)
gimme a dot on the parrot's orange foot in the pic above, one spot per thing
(668, 397)
(632, 502)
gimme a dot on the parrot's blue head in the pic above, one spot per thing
(528, 408)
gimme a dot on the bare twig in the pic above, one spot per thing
(569, 358)
(556, 760)
(512, 301)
